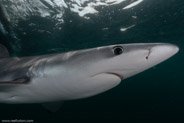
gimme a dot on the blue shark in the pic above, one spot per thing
(75, 74)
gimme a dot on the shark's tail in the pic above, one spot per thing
(3, 51)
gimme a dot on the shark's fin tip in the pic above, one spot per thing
(53, 106)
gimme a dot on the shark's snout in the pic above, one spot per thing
(161, 52)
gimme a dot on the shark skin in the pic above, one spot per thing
(76, 74)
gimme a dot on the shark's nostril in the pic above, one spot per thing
(148, 54)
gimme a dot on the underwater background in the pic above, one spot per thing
(36, 27)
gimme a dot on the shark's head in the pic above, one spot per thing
(100, 69)
(126, 60)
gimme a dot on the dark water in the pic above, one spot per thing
(152, 96)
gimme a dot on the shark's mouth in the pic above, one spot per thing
(120, 76)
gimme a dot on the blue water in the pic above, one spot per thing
(152, 96)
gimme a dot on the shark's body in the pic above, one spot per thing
(76, 74)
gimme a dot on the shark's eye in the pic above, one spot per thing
(117, 50)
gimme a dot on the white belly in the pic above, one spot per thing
(49, 89)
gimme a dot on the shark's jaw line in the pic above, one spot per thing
(111, 73)
(118, 75)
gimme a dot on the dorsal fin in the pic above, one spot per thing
(3, 51)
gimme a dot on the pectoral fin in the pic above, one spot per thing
(53, 106)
